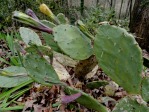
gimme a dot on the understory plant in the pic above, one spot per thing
(116, 52)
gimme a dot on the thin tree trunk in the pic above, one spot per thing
(120, 9)
(127, 9)
(139, 22)
(82, 6)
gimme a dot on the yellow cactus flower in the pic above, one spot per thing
(44, 9)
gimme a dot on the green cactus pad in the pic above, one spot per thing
(129, 105)
(72, 42)
(41, 50)
(13, 76)
(84, 29)
(48, 23)
(63, 20)
(15, 71)
(40, 70)
(48, 38)
(145, 89)
(119, 56)
(29, 36)
(8, 82)
(86, 100)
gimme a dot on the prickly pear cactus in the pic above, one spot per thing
(72, 42)
(14, 71)
(84, 29)
(29, 35)
(9, 82)
(40, 70)
(145, 89)
(130, 105)
(40, 50)
(86, 100)
(48, 23)
(119, 56)
(48, 38)
(63, 20)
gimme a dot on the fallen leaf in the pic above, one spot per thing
(65, 60)
(28, 104)
(60, 70)
(111, 88)
(85, 66)
(92, 73)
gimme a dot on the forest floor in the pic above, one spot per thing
(47, 99)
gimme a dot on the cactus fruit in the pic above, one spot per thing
(63, 20)
(130, 105)
(86, 100)
(119, 56)
(145, 89)
(48, 38)
(40, 70)
(29, 36)
(72, 42)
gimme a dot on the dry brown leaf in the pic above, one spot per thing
(111, 88)
(60, 70)
(92, 73)
(85, 66)
(65, 60)
(28, 104)
(39, 108)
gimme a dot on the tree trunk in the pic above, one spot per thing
(139, 22)
(82, 7)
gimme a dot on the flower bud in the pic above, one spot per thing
(31, 14)
(34, 23)
(44, 9)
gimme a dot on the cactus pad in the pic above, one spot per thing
(119, 56)
(129, 105)
(145, 89)
(63, 20)
(72, 42)
(48, 38)
(40, 50)
(40, 70)
(86, 100)
(29, 36)
(8, 82)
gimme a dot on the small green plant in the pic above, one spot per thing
(95, 15)
(116, 51)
